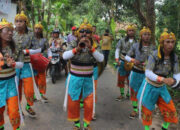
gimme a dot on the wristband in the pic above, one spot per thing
(13, 65)
(93, 50)
(117, 60)
(74, 51)
(159, 79)
(27, 51)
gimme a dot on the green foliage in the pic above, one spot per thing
(112, 52)
(113, 27)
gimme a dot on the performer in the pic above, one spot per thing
(80, 81)
(40, 42)
(95, 69)
(23, 39)
(8, 91)
(161, 65)
(123, 46)
(140, 51)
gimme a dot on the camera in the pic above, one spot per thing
(82, 45)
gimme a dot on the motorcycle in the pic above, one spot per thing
(55, 65)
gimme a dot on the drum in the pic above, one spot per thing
(39, 62)
(128, 66)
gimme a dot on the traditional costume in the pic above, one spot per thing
(23, 44)
(8, 89)
(80, 81)
(153, 90)
(40, 76)
(140, 53)
(123, 46)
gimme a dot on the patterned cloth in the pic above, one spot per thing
(23, 41)
(7, 71)
(162, 68)
(7, 90)
(40, 43)
(140, 55)
(151, 95)
(80, 85)
(124, 46)
(81, 58)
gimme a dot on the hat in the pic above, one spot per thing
(73, 28)
(22, 16)
(39, 25)
(144, 30)
(4, 23)
(165, 35)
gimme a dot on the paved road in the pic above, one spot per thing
(111, 115)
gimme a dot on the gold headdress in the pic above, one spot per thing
(22, 16)
(130, 27)
(4, 23)
(85, 25)
(165, 35)
(39, 25)
(145, 29)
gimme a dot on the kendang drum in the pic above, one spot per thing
(128, 66)
(39, 62)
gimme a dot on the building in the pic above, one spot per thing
(8, 10)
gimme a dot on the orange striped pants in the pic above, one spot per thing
(168, 112)
(41, 82)
(12, 111)
(27, 83)
(74, 109)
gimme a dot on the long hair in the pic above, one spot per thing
(11, 44)
(140, 45)
(172, 58)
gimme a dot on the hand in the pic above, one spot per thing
(118, 63)
(88, 44)
(169, 81)
(10, 61)
(78, 48)
(136, 62)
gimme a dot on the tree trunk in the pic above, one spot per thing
(151, 18)
(141, 17)
(32, 17)
(42, 11)
(39, 14)
(49, 15)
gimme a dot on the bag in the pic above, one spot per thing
(128, 66)
(39, 62)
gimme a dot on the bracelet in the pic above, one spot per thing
(93, 50)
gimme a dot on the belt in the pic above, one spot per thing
(138, 70)
(156, 84)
